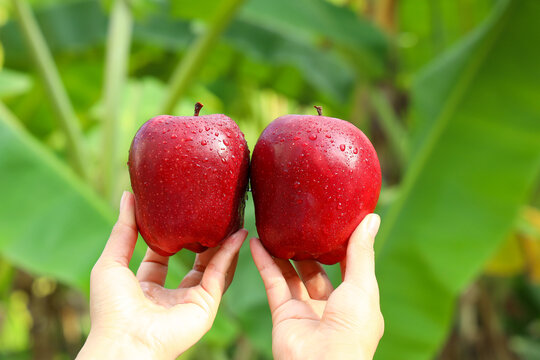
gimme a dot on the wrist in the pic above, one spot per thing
(100, 345)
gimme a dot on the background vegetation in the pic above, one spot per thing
(448, 91)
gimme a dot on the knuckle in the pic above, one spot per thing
(212, 268)
(380, 324)
(199, 267)
(272, 284)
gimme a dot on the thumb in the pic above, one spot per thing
(360, 260)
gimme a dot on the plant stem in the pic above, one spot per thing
(394, 131)
(53, 84)
(193, 60)
(7, 116)
(116, 69)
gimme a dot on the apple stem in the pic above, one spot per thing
(198, 107)
(319, 109)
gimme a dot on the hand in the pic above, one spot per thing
(135, 317)
(310, 319)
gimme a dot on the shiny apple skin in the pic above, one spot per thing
(314, 178)
(189, 175)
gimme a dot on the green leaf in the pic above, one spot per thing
(68, 27)
(50, 222)
(317, 19)
(13, 83)
(321, 68)
(474, 163)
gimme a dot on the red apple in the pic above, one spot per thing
(314, 178)
(189, 175)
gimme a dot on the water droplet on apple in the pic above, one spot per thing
(223, 160)
(216, 133)
(312, 137)
(355, 151)
(342, 147)
(225, 142)
(174, 136)
(328, 136)
(177, 147)
(205, 159)
(296, 184)
(164, 141)
(339, 206)
(204, 142)
(296, 138)
(281, 139)
(188, 139)
(207, 128)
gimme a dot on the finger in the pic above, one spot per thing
(194, 276)
(153, 268)
(296, 286)
(277, 290)
(315, 279)
(230, 273)
(123, 237)
(360, 268)
(213, 280)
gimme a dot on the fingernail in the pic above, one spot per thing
(373, 223)
(123, 201)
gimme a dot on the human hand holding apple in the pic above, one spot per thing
(310, 319)
(136, 317)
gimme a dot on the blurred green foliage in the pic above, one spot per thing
(447, 91)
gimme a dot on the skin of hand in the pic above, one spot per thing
(310, 319)
(135, 317)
